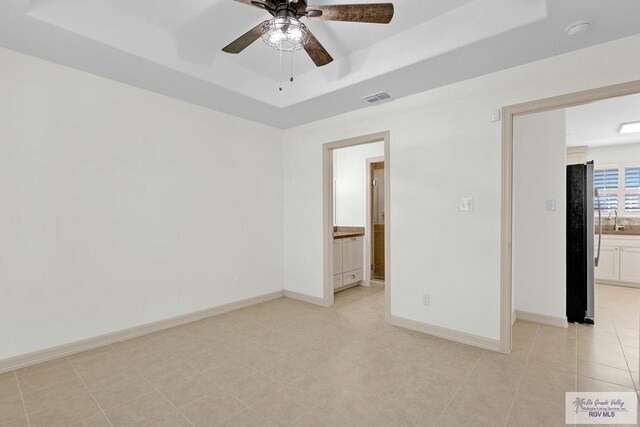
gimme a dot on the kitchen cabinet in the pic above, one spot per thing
(619, 261)
(630, 264)
(347, 262)
(609, 263)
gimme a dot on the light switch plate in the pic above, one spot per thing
(466, 204)
(552, 205)
(496, 115)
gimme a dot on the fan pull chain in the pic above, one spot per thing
(291, 79)
(281, 71)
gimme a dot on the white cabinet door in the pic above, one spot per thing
(630, 264)
(352, 257)
(608, 268)
(337, 257)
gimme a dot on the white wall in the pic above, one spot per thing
(350, 176)
(627, 153)
(539, 235)
(120, 207)
(443, 147)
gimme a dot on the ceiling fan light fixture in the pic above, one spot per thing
(285, 33)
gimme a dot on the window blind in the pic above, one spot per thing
(606, 179)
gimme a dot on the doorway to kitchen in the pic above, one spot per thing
(549, 204)
(353, 210)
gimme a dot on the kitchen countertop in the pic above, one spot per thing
(347, 232)
(621, 233)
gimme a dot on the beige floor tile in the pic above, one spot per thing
(54, 394)
(307, 365)
(189, 389)
(283, 407)
(57, 373)
(229, 372)
(10, 409)
(254, 388)
(173, 420)
(49, 366)
(123, 391)
(8, 385)
(140, 411)
(213, 409)
(95, 421)
(104, 375)
(321, 416)
(66, 413)
(605, 373)
(247, 418)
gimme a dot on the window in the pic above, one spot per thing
(619, 188)
(632, 190)
(606, 182)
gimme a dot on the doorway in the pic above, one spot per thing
(377, 219)
(329, 213)
(509, 114)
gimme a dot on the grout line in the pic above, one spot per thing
(524, 368)
(462, 383)
(90, 392)
(24, 408)
(626, 361)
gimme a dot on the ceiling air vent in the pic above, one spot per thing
(378, 97)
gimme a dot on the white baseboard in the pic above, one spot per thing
(449, 334)
(513, 317)
(44, 355)
(304, 298)
(616, 283)
(545, 319)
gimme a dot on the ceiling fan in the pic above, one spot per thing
(285, 31)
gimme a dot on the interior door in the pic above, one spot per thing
(377, 221)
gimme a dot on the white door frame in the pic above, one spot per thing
(508, 115)
(368, 232)
(327, 155)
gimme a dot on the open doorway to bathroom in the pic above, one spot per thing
(356, 225)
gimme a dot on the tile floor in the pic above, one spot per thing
(290, 363)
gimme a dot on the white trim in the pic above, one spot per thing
(327, 162)
(304, 298)
(508, 115)
(544, 319)
(446, 333)
(618, 283)
(46, 354)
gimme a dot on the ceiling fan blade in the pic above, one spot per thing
(374, 13)
(317, 52)
(245, 40)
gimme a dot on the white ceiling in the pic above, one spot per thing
(173, 47)
(597, 124)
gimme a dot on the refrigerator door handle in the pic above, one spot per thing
(599, 227)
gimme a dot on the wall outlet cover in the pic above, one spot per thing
(466, 205)
(426, 299)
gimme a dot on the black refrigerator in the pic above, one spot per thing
(583, 247)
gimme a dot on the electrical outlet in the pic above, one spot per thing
(426, 299)
(236, 282)
(466, 205)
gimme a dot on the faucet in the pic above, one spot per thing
(615, 223)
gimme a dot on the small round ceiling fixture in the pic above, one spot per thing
(578, 28)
